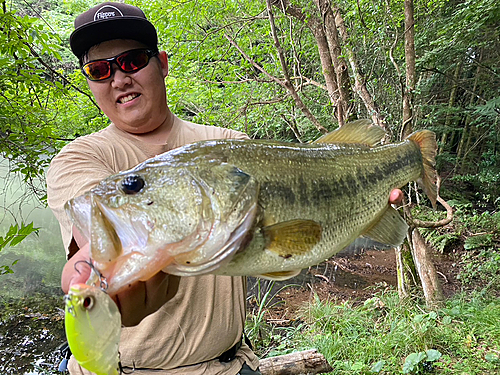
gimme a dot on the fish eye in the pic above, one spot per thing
(132, 184)
(88, 302)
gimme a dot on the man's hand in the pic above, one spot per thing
(138, 301)
(77, 269)
(145, 297)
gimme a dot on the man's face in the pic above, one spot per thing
(134, 102)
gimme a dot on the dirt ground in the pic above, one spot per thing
(349, 278)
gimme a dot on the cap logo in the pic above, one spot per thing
(107, 11)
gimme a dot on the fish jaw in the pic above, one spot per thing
(78, 210)
(196, 263)
(93, 325)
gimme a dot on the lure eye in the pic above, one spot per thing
(88, 303)
(132, 184)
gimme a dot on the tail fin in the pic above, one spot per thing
(426, 141)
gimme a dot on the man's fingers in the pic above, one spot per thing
(76, 270)
(396, 197)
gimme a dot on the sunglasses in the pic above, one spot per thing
(128, 62)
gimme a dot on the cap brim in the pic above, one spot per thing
(120, 28)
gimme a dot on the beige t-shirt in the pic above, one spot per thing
(207, 315)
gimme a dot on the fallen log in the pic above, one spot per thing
(307, 362)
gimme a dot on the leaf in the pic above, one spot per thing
(492, 357)
(356, 366)
(433, 355)
(12, 231)
(419, 318)
(412, 362)
(377, 367)
(475, 242)
(447, 319)
(17, 240)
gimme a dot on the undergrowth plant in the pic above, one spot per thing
(260, 333)
(387, 336)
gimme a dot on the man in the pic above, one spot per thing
(175, 325)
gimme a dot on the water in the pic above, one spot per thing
(40, 258)
(30, 332)
(31, 319)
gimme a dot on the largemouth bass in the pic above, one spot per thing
(93, 325)
(260, 208)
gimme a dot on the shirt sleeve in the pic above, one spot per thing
(75, 170)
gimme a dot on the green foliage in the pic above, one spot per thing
(416, 363)
(260, 333)
(471, 229)
(14, 236)
(484, 266)
(384, 335)
(40, 107)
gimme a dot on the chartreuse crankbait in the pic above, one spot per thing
(93, 324)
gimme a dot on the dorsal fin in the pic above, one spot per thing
(359, 132)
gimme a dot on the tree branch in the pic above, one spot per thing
(415, 223)
(288, 84)
(285, 84)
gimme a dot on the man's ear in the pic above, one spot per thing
(162, 56)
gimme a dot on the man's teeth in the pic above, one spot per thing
(128, 98)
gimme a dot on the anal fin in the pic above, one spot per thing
(279, 276)
(391, 229)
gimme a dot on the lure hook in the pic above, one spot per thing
(87, 262)
(122, 370)
(103, 283)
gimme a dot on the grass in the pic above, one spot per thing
(389, 337)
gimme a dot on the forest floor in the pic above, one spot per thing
(31, 329)
(351, 278)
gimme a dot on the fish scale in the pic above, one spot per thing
(343, 202)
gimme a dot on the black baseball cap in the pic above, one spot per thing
(108, 21)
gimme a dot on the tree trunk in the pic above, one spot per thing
(333, 67)
(410, 70)
(359, 79)
(405, 270)
(465, 139)
(339, 63)
(426, 271)
(420, 261)
(451, 103)
(305, 362)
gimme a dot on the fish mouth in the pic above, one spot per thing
(126, 235)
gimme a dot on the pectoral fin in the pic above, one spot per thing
(294, 237)
(280, 276)
(391, 229)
